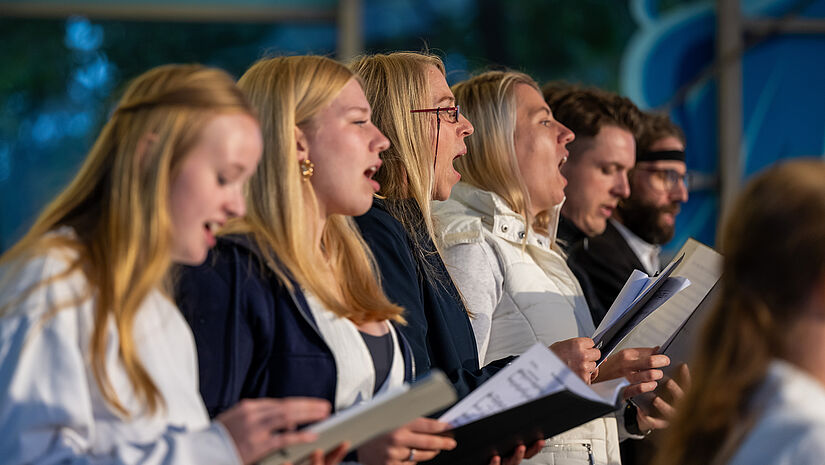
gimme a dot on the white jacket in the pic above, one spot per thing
(51, 410)
(519, 295)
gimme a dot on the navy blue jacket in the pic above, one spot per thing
(438, 328)
(254, 337)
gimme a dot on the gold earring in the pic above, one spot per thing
(307, 169)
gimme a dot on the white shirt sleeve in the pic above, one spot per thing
(51, 410)
(477, 274)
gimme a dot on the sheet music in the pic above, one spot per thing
(637, 281)
(622, 311)
(703, 266)
(669, 288)
(536, 373)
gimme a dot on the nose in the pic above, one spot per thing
(465, 127)
(380, 141)
(566, 136)
(236, 203)
(621, 185)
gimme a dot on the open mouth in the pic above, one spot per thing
(369, 173)
(563, 160)
(211, 228)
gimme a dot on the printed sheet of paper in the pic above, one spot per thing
(669, 288)
(703, 267)
(621, 313)
(536, 373)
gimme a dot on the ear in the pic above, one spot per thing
(301, 144)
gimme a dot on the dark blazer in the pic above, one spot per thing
(607, 260)
(438, 328)
(254, 337)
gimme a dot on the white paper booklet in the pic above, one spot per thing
(384, 413)
(702, 266)
(534, 374)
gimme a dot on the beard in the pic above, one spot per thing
(644, 219)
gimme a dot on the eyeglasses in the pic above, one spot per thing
(450, 112)
(452, 117)
(666, 179)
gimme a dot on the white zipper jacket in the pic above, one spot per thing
(519, 293)
(51, 410)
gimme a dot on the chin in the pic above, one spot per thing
(189, 259)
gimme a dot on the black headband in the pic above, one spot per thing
(676, 155)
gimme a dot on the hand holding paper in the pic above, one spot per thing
(579, 354)
(641, 366)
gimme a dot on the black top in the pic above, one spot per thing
(438, 327)
(607, 260)
(572, 240)
(380, 348)
(255, 337)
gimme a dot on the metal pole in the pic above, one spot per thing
(729, 43)
(350, 29)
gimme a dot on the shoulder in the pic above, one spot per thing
(378, 221)
(38, 284)
(457, 224)
(234, 271)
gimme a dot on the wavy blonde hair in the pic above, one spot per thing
(396, 83)
(288, 93)
(489, 101)
(118, 206)
(773, 243)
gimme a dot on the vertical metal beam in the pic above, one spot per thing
(729, 43)
(350, 29)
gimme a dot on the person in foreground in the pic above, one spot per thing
(498, 233)
(98, 366)
(415, 108)
(758, 395)
(289, 303)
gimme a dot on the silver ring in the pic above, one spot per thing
(411, 458)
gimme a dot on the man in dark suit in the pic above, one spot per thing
(603, 152)
(643, 221)
(615, 218)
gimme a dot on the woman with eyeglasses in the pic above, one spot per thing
(289, 303)
(97, 364)
(415, 108)
(758, 392)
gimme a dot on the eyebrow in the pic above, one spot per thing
(537, 110)
(447, 98)
(357, 108)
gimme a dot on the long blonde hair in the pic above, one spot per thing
(774, 247)
(118, 206)
(396, 83)
(288, 93)
(489, 101)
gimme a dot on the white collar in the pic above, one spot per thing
(506, 222)
(647, 253)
